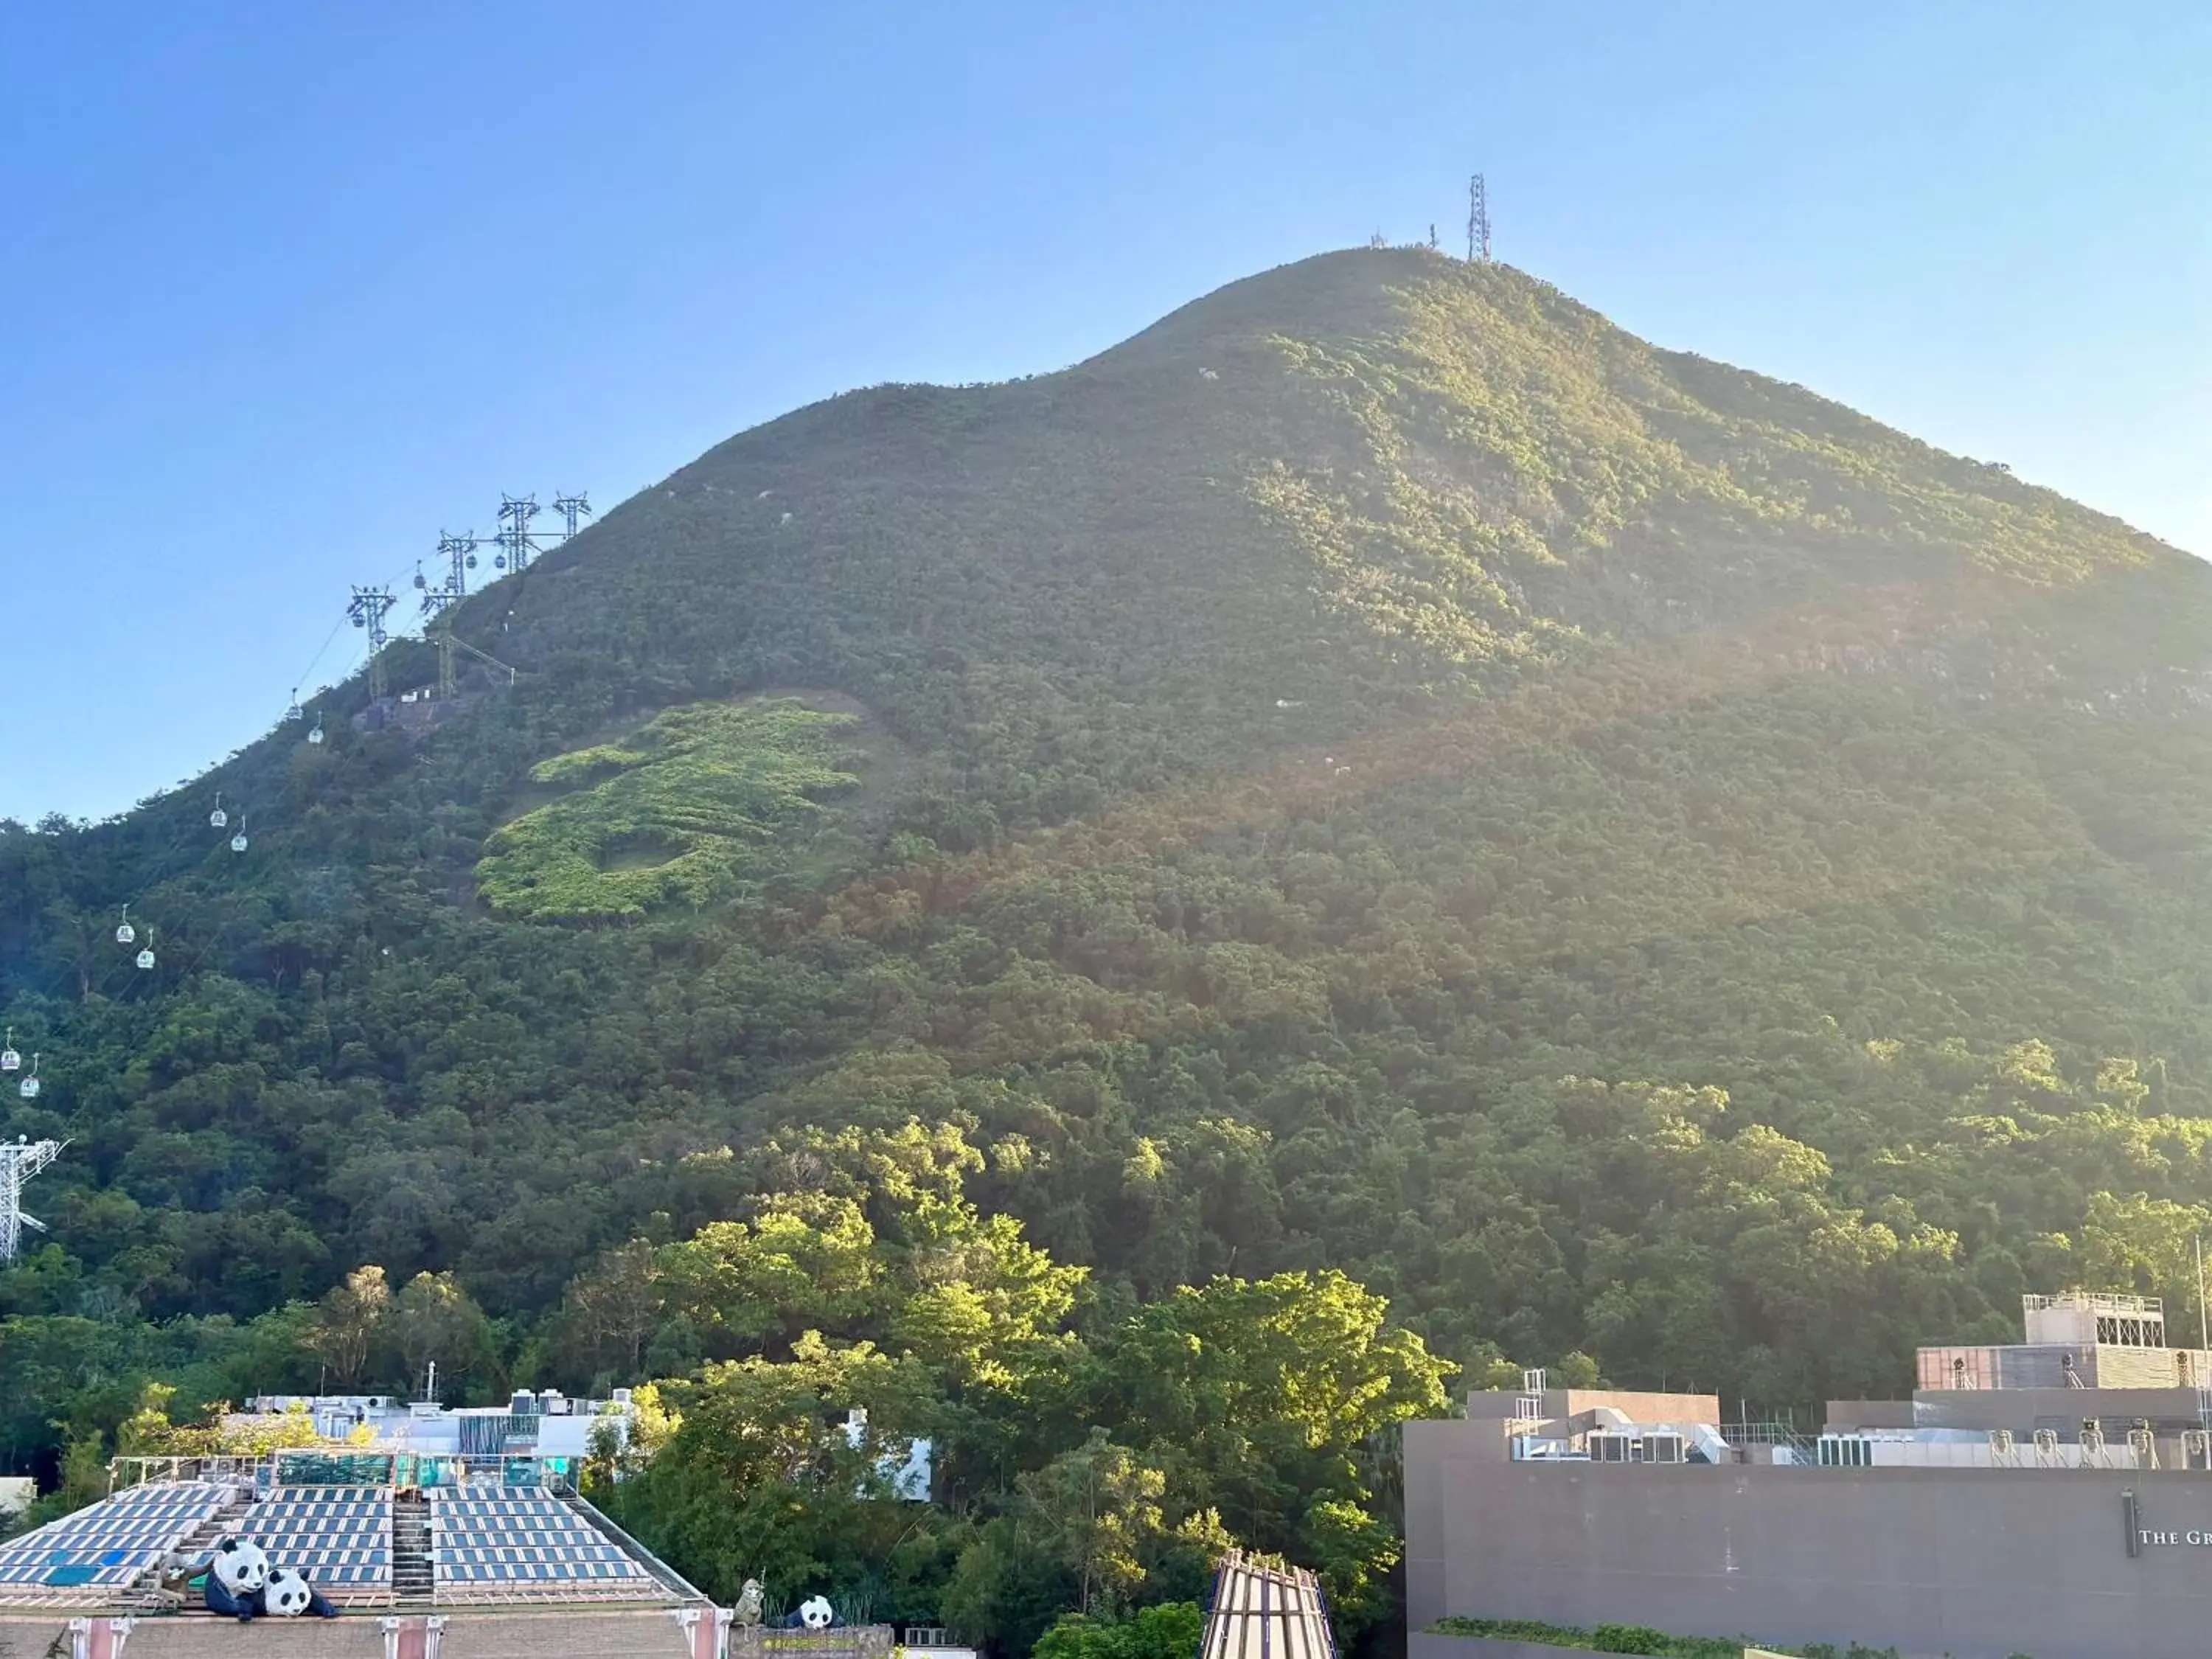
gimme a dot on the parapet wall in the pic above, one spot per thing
(572, 1633)
(1979, 1563)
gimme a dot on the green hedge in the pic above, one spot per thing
(1640, 1639)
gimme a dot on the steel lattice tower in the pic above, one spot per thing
(459, 553)
(571, 508)
(18, 1164)
(514, 541)
(1477, 219)
(367, 608)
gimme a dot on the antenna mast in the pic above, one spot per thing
(18, 1164)
(1478, 221)
(368, 608)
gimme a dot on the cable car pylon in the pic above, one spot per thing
(19, 1162)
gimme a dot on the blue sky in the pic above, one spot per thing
(284, 288)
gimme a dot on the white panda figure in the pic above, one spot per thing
(236, 1574)
(815, 1613)
(286, 1595)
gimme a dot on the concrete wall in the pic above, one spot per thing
(2025, 1410)
(208, 1638)
(567, 1633)
(2016, 1365)
(2021, 1410)
(1843, 1414)
(1978, 1564)
(581, 1632)
(32, 1634)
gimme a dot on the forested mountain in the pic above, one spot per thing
(1382, 771)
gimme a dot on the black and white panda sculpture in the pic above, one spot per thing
(237, 1573)
(287, 1595)
(241, 1584)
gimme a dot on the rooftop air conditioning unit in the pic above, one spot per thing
(622, 1396)
(1662, 1448)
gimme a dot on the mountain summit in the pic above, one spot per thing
(1382, 769)
(1378, 474)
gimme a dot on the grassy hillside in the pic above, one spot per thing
(1381, 770)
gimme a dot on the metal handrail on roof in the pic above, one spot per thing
(2096, 1301)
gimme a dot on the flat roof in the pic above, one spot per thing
(364, 1546)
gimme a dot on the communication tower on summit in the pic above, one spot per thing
(18, 1163)
(1477, 219)
(368, 607)
(515, 544)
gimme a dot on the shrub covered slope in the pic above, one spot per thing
(1381, 771)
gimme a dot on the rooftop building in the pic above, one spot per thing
(2076, 1340)
(2052, 1496)
(498, 1556)
(550, 1427)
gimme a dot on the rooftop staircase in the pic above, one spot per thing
(163, 1584)
(413, 1582)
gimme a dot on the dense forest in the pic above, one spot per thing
(1383, 806)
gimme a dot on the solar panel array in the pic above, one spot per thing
(337, 1538)
(109, 1543)
(488, 1544)
(516, 1539)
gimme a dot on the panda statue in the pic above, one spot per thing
(287, 1595)
(815, 1613)
(237, 1572)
